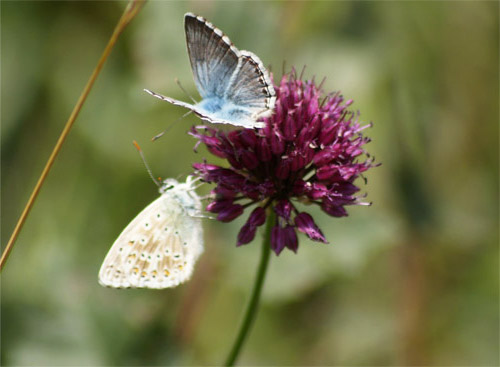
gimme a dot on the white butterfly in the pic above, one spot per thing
(159, 248)
(235, 86)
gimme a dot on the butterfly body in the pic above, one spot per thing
(160, 247)
(235, 86)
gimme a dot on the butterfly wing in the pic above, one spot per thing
(251, 86)
(158, 249)
(212, 55)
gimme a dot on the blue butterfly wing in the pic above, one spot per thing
(212, 55)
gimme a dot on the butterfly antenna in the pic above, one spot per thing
(146, 164)
(189, 95)
(156, 137)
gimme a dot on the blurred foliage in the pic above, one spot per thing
(412, 280)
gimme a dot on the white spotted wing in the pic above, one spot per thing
(159, 248)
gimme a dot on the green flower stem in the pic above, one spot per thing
(253, 304)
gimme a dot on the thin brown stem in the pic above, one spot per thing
(132, 9)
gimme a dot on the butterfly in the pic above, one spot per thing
(235, 86)
(159, 248)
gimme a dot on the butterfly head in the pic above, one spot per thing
(168, 184)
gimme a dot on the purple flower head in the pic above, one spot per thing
(311, 150)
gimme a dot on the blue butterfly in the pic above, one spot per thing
(235, 86)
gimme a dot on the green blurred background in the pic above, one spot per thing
(412, 280)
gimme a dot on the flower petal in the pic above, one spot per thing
(277, 239)
(290, 236)
(333, 210)
(258, 217)
(264, 151)
(248, 159)
(246, 234)
(248, 138)
(277, 143)
(230, 213)
(305, 223)
(218, 205)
